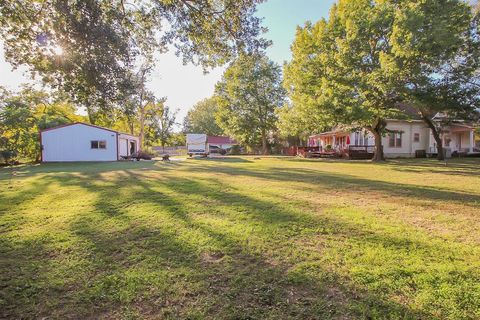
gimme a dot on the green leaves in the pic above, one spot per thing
(248, 95)
(371, 56)
(201, 118)
(91, 49)
(23, 114)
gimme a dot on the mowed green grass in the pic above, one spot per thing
(241, 238)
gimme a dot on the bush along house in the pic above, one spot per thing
(403, 138)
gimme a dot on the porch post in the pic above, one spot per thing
(429, 145)
(472, 141)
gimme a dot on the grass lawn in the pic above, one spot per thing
(241, 238)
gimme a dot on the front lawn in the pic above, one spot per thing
(241, 238)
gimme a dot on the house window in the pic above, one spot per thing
(361, 139)
(416, 137)
(395, 139)
(98, 144)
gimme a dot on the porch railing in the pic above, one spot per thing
(360, 152)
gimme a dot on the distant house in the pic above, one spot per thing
(201, 144)
(220, 142)
(85, 142)
(404, 138)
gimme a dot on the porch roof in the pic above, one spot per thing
(329, 134)
(461, 128)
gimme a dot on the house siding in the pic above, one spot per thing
(72, 143)
(124, 141)
(409, 146)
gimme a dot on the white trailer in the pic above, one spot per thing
(197, 144)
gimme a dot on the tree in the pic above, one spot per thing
(248, 96)
(89, 48)
(16, 122)
(201, 118)
(84, 47)
(295, 123)
(159, 122)
(23, 114)
(371, 57)
(178, 139)
(436, 53)
(337, 68)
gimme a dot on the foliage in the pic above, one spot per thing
(234, 150)
(159, 123)
(177, 139)
(439, 66)
(337, 75)
(91, 48)
(240, 238)
(248, 96)
(201, 118)
(371, 57)
(23, 114)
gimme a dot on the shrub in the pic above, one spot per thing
(7, 156)
(143, 155)
(234, 150)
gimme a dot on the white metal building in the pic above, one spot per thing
(85, 142)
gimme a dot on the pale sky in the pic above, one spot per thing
(185, 85)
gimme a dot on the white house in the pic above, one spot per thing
(85, 142)
(404, 138)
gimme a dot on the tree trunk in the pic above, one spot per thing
(377, 131)
(90, 114)
(130, 125)
(264, 142)
(142, 107)
(142, 125)
(436, 136)
(378, 156)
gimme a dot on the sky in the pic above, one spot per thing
(184, 85)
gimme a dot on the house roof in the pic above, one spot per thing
(85, 124)
(220, 140)
(410, 111)
(329, 133)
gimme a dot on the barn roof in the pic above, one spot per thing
(220, 140)
(85, 124)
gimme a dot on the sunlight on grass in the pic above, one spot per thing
(241, 238)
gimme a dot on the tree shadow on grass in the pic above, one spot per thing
(227, 159)
(454, 167)
(83, 167)
(172, 262)
(281, 218)
(22, 265)
(335, 181)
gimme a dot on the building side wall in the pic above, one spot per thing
(408, 146)
(124, 144)
(72, 143)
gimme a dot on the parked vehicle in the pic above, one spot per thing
(217, 150)
(197, 144)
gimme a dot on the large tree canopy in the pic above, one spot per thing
(90, 47)
(248, 96)
(336, 72)
(436, 54)
(372, 56)
(201, 118)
